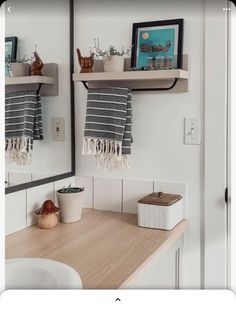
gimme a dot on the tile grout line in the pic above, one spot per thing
(54, 192)
(122, 195)
(26, 209)
(93, 192)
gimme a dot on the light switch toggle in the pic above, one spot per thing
(192, 131)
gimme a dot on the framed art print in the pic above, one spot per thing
(10, 52)
(157, 45)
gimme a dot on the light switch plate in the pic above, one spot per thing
(192, 131)
(58, 129)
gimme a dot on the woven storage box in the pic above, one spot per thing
(160, 211)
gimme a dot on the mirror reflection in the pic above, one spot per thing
(37, 75)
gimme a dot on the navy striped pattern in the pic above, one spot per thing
(23, 118)
(108, 116)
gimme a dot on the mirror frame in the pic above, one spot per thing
(28, 185)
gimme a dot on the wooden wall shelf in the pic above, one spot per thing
(29, 80)
(47, 83)
(131, 76)
(175, 80)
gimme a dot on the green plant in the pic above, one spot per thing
(70, 189)
(111, 51)
(25, 60)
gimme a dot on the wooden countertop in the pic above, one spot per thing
(106, 248)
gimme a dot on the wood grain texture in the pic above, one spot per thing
(29, 80)
(132, 75)
(106, 248)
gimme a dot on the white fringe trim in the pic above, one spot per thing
(108, 153)
(112, 162)
(19, 150)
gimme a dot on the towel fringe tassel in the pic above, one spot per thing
(108, 153)
(19, 150)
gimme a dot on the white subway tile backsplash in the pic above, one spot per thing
(108, 194)
(87, 183)
(16, 178)
(100, 193)
(174, 188)
(15, 212)
(35, 198)
(133, 190)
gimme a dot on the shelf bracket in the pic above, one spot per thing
(85, 83)
(38, 90)
(156, 88)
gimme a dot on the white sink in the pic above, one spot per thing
(40, 273)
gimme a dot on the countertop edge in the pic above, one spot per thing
(160, 251)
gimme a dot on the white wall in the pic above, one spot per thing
(42, 23)
(158, 152)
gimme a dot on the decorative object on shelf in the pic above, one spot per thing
(21, 132)
(70, 203)
(37, 65)
(10, 52)
(139, 69)
(47, 215)
(113, 60)
(113, 63)
(160, 211)
(86, 63)
(107, 134)
(157, 45)
(20, 68)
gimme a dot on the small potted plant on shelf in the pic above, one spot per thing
(70, 203)
(25, 66)
(20, 67)
(47, 215)
(113, 59)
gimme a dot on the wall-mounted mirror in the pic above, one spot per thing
(40, 105)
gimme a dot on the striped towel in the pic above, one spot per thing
(23, 124)
(107, 133)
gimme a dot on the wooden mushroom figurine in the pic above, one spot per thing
(47, 215)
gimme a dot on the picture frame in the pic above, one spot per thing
(157, 45)
(10, 52)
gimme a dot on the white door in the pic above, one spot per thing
(215, 253)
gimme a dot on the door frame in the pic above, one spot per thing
(216, 218)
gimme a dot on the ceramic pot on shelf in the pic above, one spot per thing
(113, 63)
(18, 69)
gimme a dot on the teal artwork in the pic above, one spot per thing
(8, 57)
(156, 48)
(157, 45)
(10, 52)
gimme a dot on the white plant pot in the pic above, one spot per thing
(19, 69)
(70, 205)
(113, 64)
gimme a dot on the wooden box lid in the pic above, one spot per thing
(160, 198)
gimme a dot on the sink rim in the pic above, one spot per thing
(65, 275)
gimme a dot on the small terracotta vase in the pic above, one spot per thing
(47, 221)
